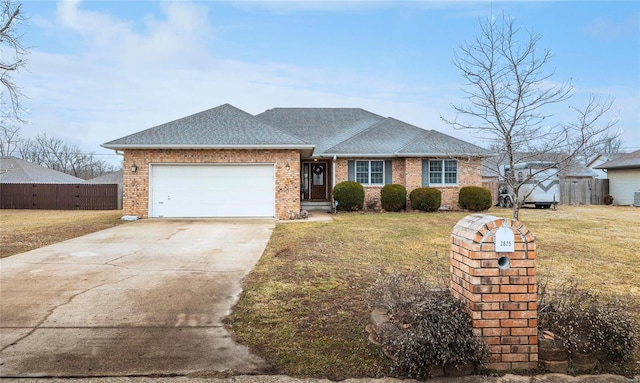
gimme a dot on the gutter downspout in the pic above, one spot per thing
(333, 184)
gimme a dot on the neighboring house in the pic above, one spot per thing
(599, 160)
(224, 162)
(624, 177)
(110, 178)
(18, 171)
(25, 185)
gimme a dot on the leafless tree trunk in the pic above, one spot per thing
(12, 59)
(507, 92)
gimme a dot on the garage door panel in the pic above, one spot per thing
(212, 190)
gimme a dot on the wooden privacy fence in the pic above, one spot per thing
(59, 196)
(494, 187)
(583, 191)
(579, 191)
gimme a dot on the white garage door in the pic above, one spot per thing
(212, 190)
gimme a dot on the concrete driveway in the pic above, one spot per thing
(143, 298)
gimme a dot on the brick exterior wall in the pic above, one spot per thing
(136, 186)
(502, 301)
(408, 172)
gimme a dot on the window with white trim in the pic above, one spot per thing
(370, 172)
(443, 172)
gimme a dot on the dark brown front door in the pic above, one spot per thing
(314, 180)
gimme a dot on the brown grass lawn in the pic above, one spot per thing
(24, 230)
(303, 305)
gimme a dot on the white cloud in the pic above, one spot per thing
(177, 39)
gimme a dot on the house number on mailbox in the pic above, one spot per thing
(505, 240)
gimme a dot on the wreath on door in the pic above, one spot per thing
(317, 169)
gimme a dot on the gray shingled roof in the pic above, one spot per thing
(627, 161)
(577, 170)
(221, 127)
(391, 137)
(328, 131)
(385, 138)
(17, 171)
(108, 178)
(434, 143)
(323, 127)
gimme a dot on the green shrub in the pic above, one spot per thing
(350, 196)
(393, 197)
(474, 198)
(426, 199)
(430, 327)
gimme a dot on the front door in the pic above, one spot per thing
(314, 181)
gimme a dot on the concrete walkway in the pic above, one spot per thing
(314, 216)
(143, 298)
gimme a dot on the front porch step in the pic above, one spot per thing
(316, 206)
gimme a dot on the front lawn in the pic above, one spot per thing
(24, 230)
(303, 306)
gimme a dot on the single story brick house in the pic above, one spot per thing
(225, 162)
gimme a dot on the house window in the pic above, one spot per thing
(370, 172)
(441, 172)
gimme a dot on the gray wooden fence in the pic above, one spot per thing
(583, 191)
(59, 196)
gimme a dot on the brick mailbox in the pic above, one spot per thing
(493, 270)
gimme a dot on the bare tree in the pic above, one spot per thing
(611, 143)
(12, 59)
(508, 92)
(9, 139)
(54, 153)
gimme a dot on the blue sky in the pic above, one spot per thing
(99, 70)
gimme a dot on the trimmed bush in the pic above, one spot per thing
(474, 198)
(429, 328)
(350, 196)
(426, 199)
(393, 197)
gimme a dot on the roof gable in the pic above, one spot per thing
(223, 126)
(626, 161)
(386, 137)
(324, 127)
(17, 171)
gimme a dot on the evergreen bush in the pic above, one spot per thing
(393, 197)
(349, 195)
(474, 198)
(426, 199)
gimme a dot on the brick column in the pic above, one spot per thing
(499, 287)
